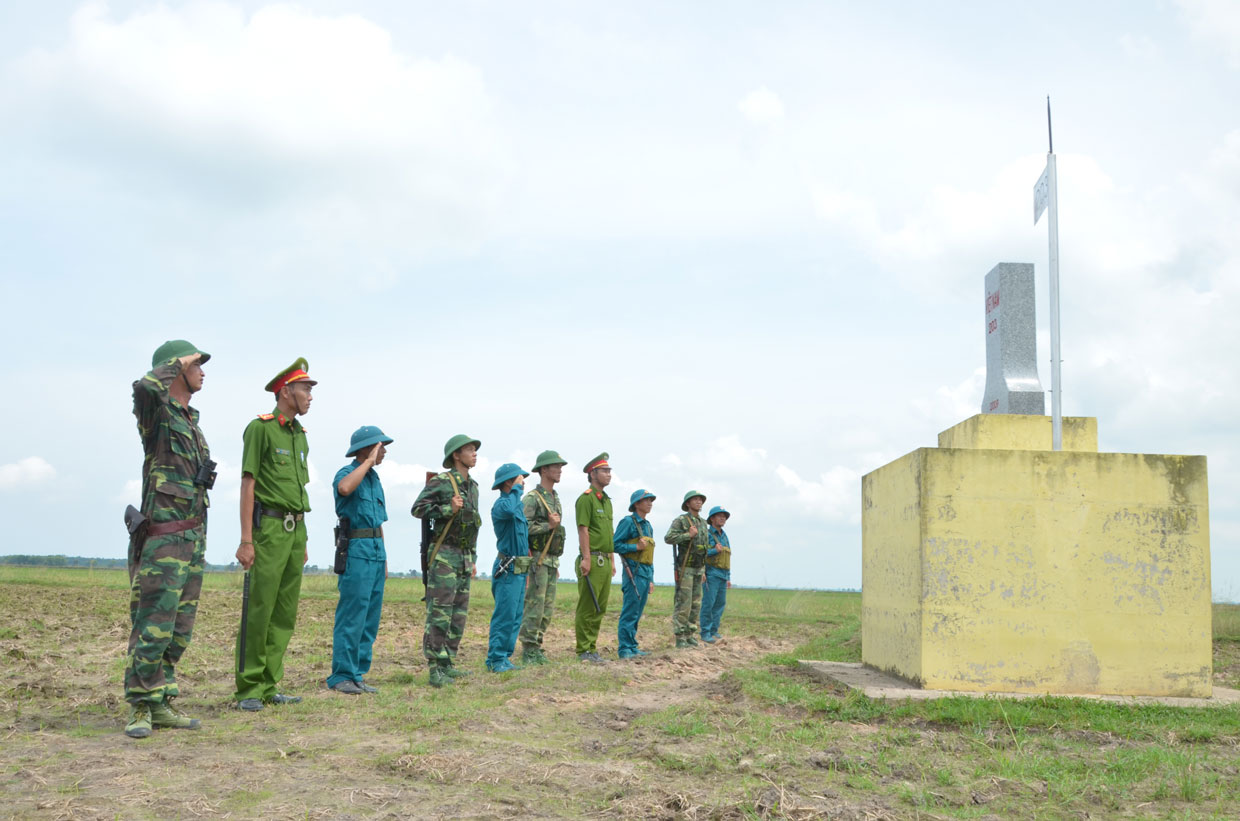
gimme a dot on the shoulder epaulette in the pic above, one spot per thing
(266, 417)
(444, 476)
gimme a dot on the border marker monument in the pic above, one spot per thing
(1014, 557)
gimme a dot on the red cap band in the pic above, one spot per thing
(601, 463)
(296, 375)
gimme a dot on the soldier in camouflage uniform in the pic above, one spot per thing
(688, 533)
(543, 513)
(450, 501)
(166, 561)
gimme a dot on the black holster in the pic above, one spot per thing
(342, 544)
(136, 524)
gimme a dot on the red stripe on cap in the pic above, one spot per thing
(292, 376)
(601, 463)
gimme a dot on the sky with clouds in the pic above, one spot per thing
(739, 246)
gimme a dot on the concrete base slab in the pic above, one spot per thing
(881, 685)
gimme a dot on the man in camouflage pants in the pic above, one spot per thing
(450, 501)
(543, 513)
(689, 534)
(166, 553)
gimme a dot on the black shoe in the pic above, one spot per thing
(280, 698)
(348, 687)
(250, 705)
(366, 688)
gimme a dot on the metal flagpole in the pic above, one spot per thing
(1046, 196)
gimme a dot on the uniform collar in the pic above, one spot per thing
(597, 494)
(286, 422)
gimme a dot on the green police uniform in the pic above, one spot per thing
(276, 453)
(593, 511)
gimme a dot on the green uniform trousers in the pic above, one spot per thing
(268, 617)
(447, 604)
(687, 605)
(539, 604)
(163, 601)
(588, 619)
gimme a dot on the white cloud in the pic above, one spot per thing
(762, 106)
(726, 455)
(1216, 22)
(316, 123)
(836, 497)
(131, 494)
(951, 404)
(1139, 46)
(398, 474)
(33, 470)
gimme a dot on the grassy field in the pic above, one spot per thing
(726, 732)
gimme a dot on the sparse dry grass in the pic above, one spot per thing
(728, 732)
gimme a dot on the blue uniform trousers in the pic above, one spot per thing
(714, 597)
(357, 619)
(634, 603)
(509, 593)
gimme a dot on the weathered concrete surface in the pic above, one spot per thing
(1004, 432)
(1036, 571)
(881, 685)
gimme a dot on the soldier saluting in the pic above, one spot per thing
(274, 503)
(168, 537)
(450, 502)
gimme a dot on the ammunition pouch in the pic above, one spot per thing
(341, 535)
(522, 564)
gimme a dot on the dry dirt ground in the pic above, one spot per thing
(567, 740)
(726, 732)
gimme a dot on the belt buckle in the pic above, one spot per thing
(598, 559)
(290, 523)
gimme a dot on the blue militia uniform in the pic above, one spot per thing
(635, 589)
(715, 588)
(512, 538)
(361, 584)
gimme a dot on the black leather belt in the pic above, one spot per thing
(290, 519)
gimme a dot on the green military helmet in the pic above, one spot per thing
(365, 436)
(638, 495)
(546, 459)
(685, 504)
(456, 443)
(506, 471)
(175, 349)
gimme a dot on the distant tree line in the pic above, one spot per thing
(120, 564)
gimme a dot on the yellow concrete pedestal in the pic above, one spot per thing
(992, 563)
